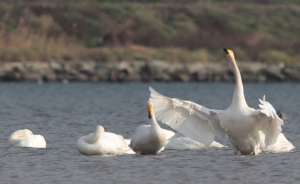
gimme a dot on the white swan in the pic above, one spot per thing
(101, 143)
(240, 122)
(148, 139)
(25, 138)
(181, 142)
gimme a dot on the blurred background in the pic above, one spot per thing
(169, 30)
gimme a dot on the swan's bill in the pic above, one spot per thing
(150, 109)
(229, 54)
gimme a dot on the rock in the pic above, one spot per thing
(291, 73)
(273, 73)
(144, 71)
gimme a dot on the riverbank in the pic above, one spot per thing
(111, 31)
(139, 71)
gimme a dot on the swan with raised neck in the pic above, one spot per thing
(240, 122)
(148, 139)
(238, 99)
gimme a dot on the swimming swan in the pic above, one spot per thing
(25, 138)
(240, 122)
(181, 142)
(101, 143)
(148, 139)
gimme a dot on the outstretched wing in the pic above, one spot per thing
(270, 123)
(188, 118)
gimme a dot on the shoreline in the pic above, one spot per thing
(140, 71)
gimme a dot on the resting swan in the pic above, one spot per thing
(181, 142)
(101, 143)
(240, 122)
(148, 139)
(25, 138)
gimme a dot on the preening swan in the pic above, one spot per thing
(240, 122)
(101, 143)
(25, 138)
(148, 139)
(181, 142)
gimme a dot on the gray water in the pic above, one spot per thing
(63, 113)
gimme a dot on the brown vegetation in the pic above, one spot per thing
(47, 31)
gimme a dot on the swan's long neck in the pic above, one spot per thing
(155, 128)
(95, 137)
(13, 139)
(238, 99)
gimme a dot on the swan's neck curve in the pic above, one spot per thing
(95, 137)
(238, 99)
(13, 139)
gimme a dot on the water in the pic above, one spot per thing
(63, 113)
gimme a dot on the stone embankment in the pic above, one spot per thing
(143, 72)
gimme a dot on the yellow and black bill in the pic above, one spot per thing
(150, 112)
(226, 51)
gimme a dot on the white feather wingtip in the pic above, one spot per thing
(151, 89)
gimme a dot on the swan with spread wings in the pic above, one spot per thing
(240, 122)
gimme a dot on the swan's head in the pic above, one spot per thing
(150, 109)
(100, 129)
(229, 54)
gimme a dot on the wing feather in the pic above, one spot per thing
(188, 118)
(270, 122)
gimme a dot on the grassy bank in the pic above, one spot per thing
(105, 31)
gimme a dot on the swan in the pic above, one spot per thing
(25, 138)
(101, 143)
(148, 139)
(168, 134)
(181, 142)
(239, 122)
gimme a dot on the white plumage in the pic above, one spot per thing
(240, 122)
(282, 144)
(101, 143)
(148, 139)
(25, 138)
(181, 142)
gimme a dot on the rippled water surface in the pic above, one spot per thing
(63, 113)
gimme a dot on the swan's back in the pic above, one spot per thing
(34, 141)
(184, 143)
(112, 144)
(181, 142)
